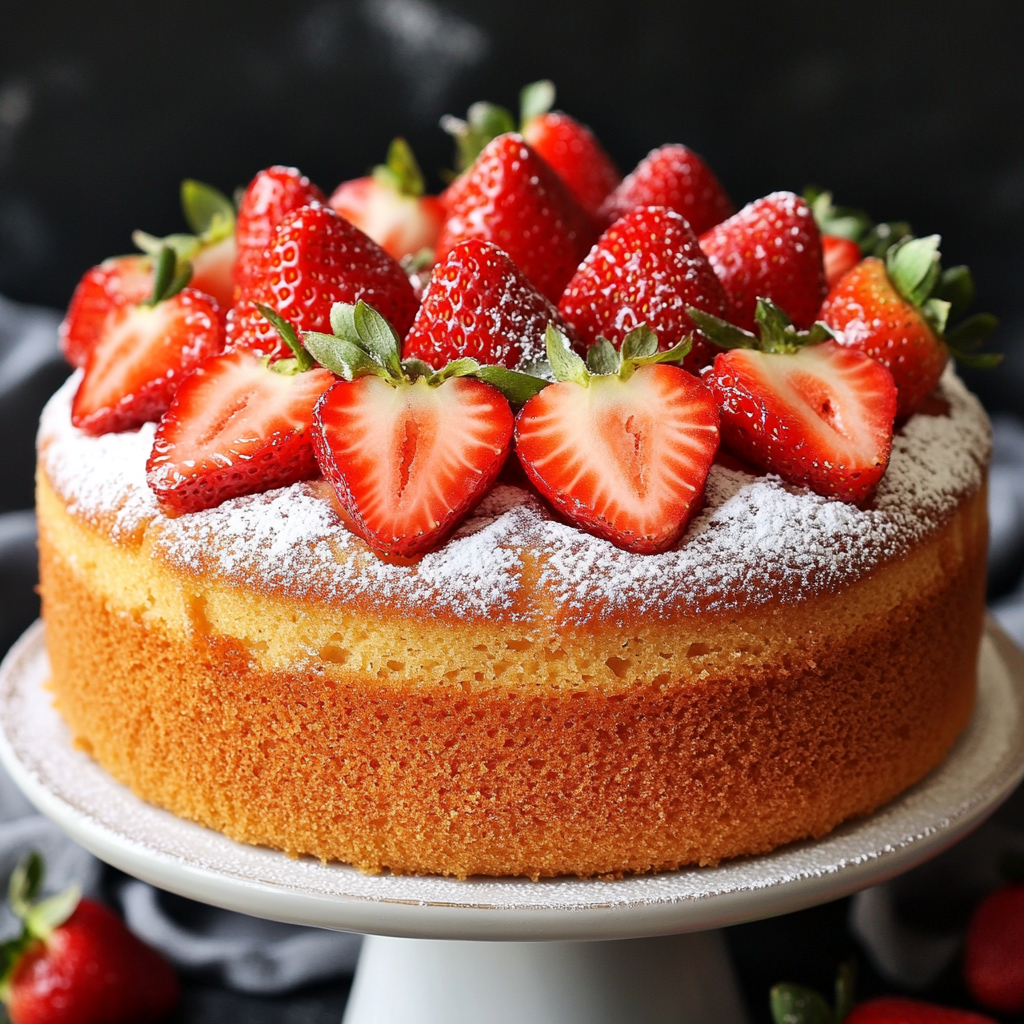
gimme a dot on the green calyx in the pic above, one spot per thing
(775, 331)
(849, 222)
(39, 917)
(400, 172)
(796, 1004)
(914, 266)
(301, 360)
(364, 344)
(639, 348)
(209, 214)
(170, 275)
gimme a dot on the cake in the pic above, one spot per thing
(527, 691)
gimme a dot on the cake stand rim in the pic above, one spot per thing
(453, 919)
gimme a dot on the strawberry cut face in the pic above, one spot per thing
(408, 462)
(626, 460)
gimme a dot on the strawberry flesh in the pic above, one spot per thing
(478, 304)
(646, 268)
(407, 462)
(821, 417)
(235, 427)
(625, 460)
(142, 356)
(770, 249)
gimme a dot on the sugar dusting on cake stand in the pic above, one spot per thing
(542, 969)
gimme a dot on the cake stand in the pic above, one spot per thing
(425, 963)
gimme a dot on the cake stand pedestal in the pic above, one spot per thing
(664, 965)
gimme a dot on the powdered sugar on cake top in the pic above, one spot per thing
(757, 539)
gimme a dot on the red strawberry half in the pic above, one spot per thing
(512, 198)
(771, 248)
(808, 409)
(646, 268)
(273, 193)
(676, 177)
(75, 962)
(408, 453)
(478, 304)
(994, 951)
(237, 426)
(623, 448)
(315, 259)
(144, 353)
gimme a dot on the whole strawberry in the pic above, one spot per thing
(314, 260)
(896, 310)
(994, 951)
(676, 177)
(75, 962)
(512, 198)
(646, 268)
(478, 304)
(770, 249)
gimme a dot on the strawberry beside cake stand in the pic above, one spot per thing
(427, 960)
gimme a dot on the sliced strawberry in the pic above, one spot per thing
(142, 357)
(770, 249)
(896, 312)
(117, 282)
(838, 255)
(390, 206)
(623, 452)
(478, 304)
(512, 198)
(315, 259)
(273, 193)
(810, 410)
(994, 951)
(646, 268)
(676, 177)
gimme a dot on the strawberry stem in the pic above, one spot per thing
(400, 172)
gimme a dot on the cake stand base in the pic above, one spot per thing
(675, 979)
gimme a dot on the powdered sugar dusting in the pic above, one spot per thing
(757, 538)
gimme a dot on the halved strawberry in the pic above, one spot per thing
(771, 248)
(236, 426)
(408, 452)
(315, 259)
(676, 177)
(390, 206)
(144, 353)
(646, 268)
(512, 198)
(623, 448)
(478, 304)
(273, 193)
(896, 312)
(802, 406)
(117, 282)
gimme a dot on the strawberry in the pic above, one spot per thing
(117, 282)
(144, 353)
(678, 178)
(838, 256)
(622, 444)
(478, 304)
(211, 249)
(771, 248)
(896, 311)
(646, 268)
(899, 1010)
(389, 206)
(315, 259)
(273, 193)
(238, 426)
(408, 452)
(994, 951)
(512, 198)
(798, 405)
(75, 962)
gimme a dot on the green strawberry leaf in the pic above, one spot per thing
(400, 172)
(842, 221)
(882, 237)
(795, 1004)
(969, 334)
(378, 338)
(602, 357)
(303, 360)
(956, 286)
(184, 246)
(640, 343)
(341, 356)
(414, 262)
(936, 312)
(51, 913)
(208, 212)
(846, 982)
(914, 267)
(26, 881)
(565, 364)
(515, 386)
(721, 332)
(415, 368)
(343, 322)
(978, 360)
(169, 276)
(484, 121)
(535, 99)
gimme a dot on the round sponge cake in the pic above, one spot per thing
(528, 700)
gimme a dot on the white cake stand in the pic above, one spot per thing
(667, 966)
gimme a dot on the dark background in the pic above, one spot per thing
(908, 109)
